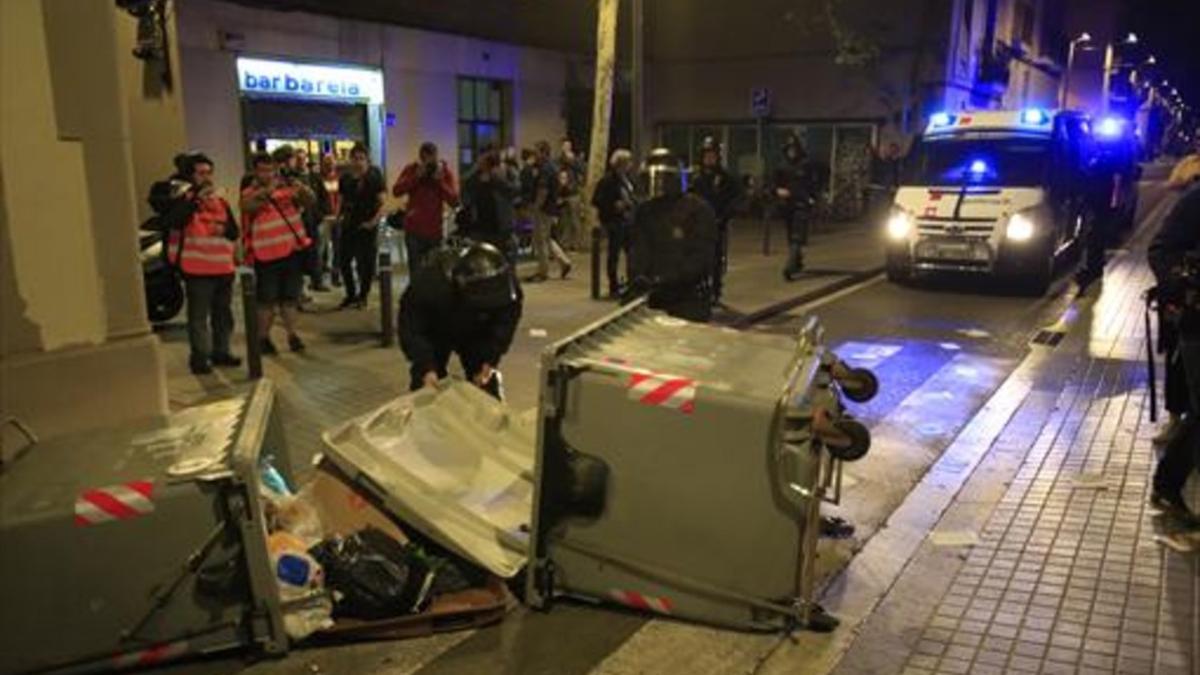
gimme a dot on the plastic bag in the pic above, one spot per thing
(374, 576)
(301, 582)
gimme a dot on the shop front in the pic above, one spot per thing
(323, 108)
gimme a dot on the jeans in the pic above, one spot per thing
(573, 236)
(1181, 455)
(358, 250)
(209, 315)
(544, 245)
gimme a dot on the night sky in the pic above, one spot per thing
(1170, 29)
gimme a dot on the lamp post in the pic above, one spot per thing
(1131, 39)
(1065, 87)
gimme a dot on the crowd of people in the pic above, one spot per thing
(296, 221)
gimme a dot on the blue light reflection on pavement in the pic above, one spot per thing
(901, 366)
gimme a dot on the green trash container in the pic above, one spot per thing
(143, 544)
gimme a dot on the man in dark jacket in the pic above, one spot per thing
(797, 185)
(361, 190)
(717, 187)
(674, 236)
(488, 195)
(1174, 256)
(467, 303)
(614, 201)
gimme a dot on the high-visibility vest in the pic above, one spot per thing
(275, 231)
(200, 247)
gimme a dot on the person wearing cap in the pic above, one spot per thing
(201, 243)
(430, 187)
(466, 302)
(720, 189)
(674, 236)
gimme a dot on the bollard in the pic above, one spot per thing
(386, 309)
(597, 240)
(250, 311)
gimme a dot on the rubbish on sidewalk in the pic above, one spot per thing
(671, 467)
(953, 538)
(974, 333)
(1177, 542)
(374, 575)
(538, 333)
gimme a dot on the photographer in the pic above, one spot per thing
(1174, 256)
(202, 233)
(430, 186)
(275, 243)
(488, 194)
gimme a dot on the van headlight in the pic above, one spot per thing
(899, 225)
(1020, 228)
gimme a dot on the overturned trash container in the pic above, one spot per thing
(140, 545)
(671, 467)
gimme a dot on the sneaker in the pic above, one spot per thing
(295, 343)
(833, 527)
(267, 347)
(226, 360)
(200, 367)
(566, 270)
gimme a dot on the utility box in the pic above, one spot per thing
(140, 545)
(672, 467)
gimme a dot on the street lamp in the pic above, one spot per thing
(1130, 39)
(1064, 89)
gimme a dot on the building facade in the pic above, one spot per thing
(255, 78)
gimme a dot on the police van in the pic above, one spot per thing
(999, 192)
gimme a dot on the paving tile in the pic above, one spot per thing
(954, 666)
(1092, 646)
(1062, 654)
(994, 658)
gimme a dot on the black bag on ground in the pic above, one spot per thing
(374, 576)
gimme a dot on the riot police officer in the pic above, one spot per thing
(720, 189)
(460, 301)
(674, 236)
(1174, 257)
(796, 187)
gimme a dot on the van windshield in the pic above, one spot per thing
(1008, 162)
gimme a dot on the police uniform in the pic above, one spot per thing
(720, 190)
(799, 177)
(466, 303)
(674, 237)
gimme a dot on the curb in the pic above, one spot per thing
(763, 313)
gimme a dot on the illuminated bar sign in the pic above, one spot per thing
(307, 80)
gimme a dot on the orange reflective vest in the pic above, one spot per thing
(200, 247)
(275, 231)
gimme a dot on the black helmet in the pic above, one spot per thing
(484, 277)
(793, 145)
(664, 173)
(710, 144)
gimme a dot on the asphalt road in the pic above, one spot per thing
(940, 348)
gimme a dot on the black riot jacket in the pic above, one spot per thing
(673, 241)
(717, 187)
(1178, 238)
(435, 319)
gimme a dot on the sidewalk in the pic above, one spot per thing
(1030, 547)
(345, 372)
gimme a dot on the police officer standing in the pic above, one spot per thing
(1175, 258)
(674, 236)
(797, 187)
(720, 189)
(466, 302)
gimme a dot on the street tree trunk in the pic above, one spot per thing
(606, 50)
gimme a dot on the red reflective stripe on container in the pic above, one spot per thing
(150, 656)
(642, 602)
(114, 502)
(667, 391)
